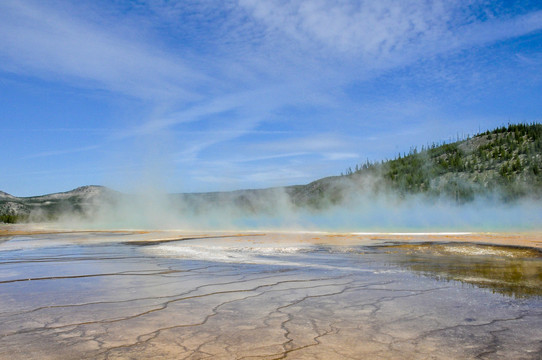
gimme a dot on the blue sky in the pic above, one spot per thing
(219, 95)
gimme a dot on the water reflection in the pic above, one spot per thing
(510, 271)
(94, 297)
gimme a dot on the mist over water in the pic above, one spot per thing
(348, 204)
(273, 209)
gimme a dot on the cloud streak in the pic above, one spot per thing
(39, 41)
(389, 31)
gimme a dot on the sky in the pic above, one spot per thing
(195, 96)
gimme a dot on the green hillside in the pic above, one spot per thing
(505, 162)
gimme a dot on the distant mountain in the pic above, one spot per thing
(48, 207)
(4, 195)
(505, 163)
(83, 192)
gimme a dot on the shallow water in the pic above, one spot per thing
(115, 296)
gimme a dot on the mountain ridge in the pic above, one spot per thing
(505, 162)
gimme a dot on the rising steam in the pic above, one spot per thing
(349, 206)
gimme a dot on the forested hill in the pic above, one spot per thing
(505, 162)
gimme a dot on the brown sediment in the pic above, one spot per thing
(148, 242)
(527, 239)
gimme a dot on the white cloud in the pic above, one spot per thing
(529, 60)
(255, 102)
(369, 28)
(36, 40)
(387, 32)
(232, 177)
(340, 156)
(319, 142)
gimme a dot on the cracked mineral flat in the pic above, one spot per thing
(126, 295)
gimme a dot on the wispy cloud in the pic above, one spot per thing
(38, 40)
(389, 32)
(245, 84)
(304, 143)
(341, 156)
(240, 177)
